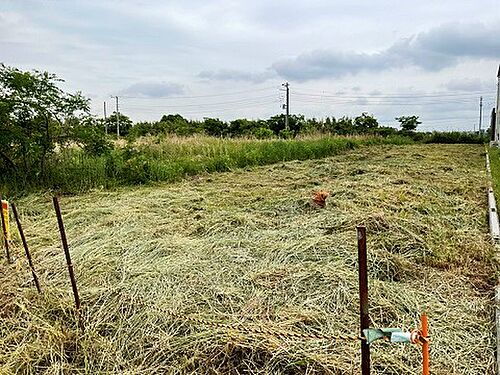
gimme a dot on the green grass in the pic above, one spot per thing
(495, 170)
(173, 158)
(453, 137)
(247, 247)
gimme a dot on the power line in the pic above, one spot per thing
(242, 100)
(375, 103)
(198, 96)
(218, 110)
(393, 95)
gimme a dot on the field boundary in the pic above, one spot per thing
(495, 236)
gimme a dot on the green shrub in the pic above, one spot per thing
(454, 137)
(173, 158)
(263, 133)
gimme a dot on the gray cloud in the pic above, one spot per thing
(153, 89)
(436, 49)
(467, 84)
(236, 75)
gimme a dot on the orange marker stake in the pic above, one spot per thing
(425, 344)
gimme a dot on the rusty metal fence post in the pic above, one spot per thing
(363, 298)
(68, 258)
(26, 249)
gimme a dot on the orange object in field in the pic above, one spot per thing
(5, 211)
(425, 344)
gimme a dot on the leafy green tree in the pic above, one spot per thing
(408, 123)
(365, 123)
(329, 125)
(141, 129)
(89, 135)
(125, 124)
(263, 133)
(277, 123)
(344, 126)
(245, 127)
(311, 125)
(215, 127)
(176, 124)
(36, 116)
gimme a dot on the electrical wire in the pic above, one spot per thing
(198, 96)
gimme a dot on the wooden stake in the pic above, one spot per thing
(26, 249)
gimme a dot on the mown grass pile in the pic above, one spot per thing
(248, 248)
(172, 158)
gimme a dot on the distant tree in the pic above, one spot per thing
(35, 117)
(311, 125)
(215, 127)
(263, 133)
(173, 118)
(88, 133)
(329, 125)
(176, 124)
(408, 123)
(125, 124)
(277, 123)
(144, 128)
(385, 131)
(344, 126)
(365, 123)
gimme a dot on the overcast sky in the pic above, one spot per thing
(228, 59)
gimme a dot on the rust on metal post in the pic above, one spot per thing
(26, 249)
(363, 298)
(66, 252)
(5, 234)
(425, 345)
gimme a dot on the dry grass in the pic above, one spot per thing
(248, 247)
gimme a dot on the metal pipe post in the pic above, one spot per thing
(66, 252)
(363, 298)
(26, 249)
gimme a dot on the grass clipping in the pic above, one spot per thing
(250, 253)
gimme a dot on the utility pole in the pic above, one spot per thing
(117, 118)
(480, 113)
(287, 105)
(105, 119)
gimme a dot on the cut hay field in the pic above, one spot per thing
(247, 248)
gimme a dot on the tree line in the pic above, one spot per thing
(275, 126)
